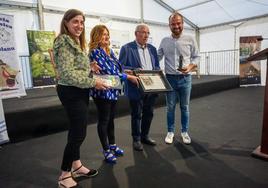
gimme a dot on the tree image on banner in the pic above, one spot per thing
(42, 69)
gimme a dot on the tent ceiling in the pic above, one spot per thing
(198, 14)
(208, 13)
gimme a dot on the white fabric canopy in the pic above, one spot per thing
(207, 13)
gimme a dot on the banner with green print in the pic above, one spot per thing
(42, 70)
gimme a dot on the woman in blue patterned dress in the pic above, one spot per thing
(103, 57)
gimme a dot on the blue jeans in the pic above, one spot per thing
(182, 85)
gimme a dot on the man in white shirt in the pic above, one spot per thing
(181, 57)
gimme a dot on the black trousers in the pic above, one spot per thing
(142, 115)
(106, 111)
(75, 101)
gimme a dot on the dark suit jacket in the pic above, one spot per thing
(130, 59)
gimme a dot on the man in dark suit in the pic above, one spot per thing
(139, 55)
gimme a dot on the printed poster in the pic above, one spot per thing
(42, 70)
(11, 82)
(250, 71)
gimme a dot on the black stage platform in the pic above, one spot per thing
(40, 112)
(225, 128)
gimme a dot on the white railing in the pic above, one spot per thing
(26, 71)
(224, 62)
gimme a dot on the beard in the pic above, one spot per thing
(176, 32)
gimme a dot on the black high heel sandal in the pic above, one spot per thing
(90, 174)
(61, 185)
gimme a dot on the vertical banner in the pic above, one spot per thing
(40, 42)
(3, 129)
(11, 83)
(250, 71)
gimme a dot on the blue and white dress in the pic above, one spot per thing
(109, 65)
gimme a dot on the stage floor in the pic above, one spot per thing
(225, 128)
(47, 97)
(41, 113)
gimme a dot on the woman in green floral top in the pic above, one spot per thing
(73, 69)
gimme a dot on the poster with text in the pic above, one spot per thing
(42, 70)
(250, 71)
(11, 81)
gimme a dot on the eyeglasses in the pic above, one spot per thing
(144, 32)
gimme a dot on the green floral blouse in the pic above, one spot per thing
(72, 63)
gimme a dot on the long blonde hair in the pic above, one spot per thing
(95, 38)
(70, 14)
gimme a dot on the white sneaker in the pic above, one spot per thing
(169, 138)
(186, 138)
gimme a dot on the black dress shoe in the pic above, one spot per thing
(137, 146)
(90, 174)
(148, 141)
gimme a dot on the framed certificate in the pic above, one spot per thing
(152, 81)
(113, 81)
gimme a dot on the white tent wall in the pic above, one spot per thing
(226, 37)
(23, 20)
(24, 1)
(52, 22)
(126, 8)
(218, 38)
(151, 8)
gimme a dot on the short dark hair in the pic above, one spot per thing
(175, 14)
